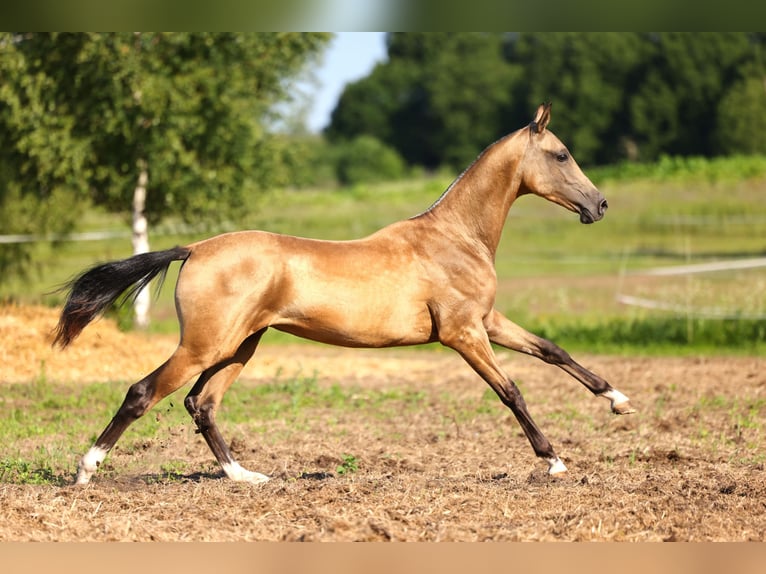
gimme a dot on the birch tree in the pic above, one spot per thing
(151, 124)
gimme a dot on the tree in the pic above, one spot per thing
(741, 115)
(464, 107)
(365, 159)
(741, 127)
(441, 97)
(685, 76)
(435, 100)
(584, 75)
(368, 106)
(40, 157)
(168, 123)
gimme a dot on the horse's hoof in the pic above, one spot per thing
(624, 408)
(89, 464)
(620, 403)
(81, 480)
(257, 478)
(556, 467)
(238, 474)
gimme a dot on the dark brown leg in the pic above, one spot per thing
(141, 397)
(474, 346)
(202, 403)
(504, 332)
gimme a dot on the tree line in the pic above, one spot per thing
(440, 98)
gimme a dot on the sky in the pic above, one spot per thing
(349, 57)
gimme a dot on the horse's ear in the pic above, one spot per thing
(542, 117)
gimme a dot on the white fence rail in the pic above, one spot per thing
(85, 236)
(687, 309)
(731, 265)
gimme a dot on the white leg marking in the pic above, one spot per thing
(555, 466)
(620, 403)
(89, 464)
(615, 397)
(238, 474)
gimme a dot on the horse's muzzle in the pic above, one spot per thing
(588, 216)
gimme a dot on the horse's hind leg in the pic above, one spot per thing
(504, 332)
(202, 403)
(141, 397)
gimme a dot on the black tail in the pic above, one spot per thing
(92, 292)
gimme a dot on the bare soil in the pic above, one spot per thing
(688, 466)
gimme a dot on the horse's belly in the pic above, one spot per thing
(349, 321)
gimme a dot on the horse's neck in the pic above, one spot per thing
(476, 205)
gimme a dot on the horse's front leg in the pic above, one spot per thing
(506, 333)
(473, 345)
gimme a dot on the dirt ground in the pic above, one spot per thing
(688, 466)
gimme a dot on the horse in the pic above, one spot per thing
(429, 278)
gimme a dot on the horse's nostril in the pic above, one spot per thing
(603, 206)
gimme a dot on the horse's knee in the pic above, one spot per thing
(552, 353)
(197, 413)
(200, 412)
(510, 395)
(190, 402)
(138, 400)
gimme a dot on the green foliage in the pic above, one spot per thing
(377, 105)
(674, 110)
(685, 170)
(348, 466)
(440, 98)
(299, 161)
(80, 114)
(19, 471)
(741, 124)
(24, 213)
(365, 159)
(173, 470)
(123, 315)
(585, 76)
(657, 334)
(418, 102)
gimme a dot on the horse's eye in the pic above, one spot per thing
(562, 157)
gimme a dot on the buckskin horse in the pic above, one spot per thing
(425, 279)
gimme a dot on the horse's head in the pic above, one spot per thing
(550, 171)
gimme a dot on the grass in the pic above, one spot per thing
(556, 277)
(47, 427)
(677, 336)
(349, 465)
(743, 426)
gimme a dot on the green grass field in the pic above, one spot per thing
(556, 277)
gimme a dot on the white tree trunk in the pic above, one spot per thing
(141, 244)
